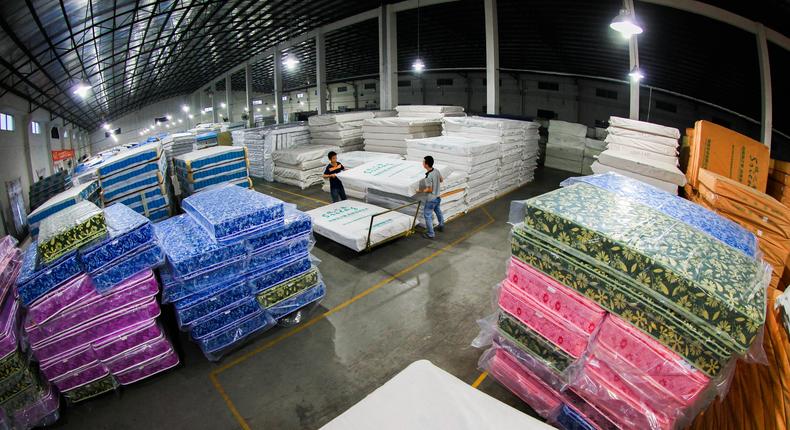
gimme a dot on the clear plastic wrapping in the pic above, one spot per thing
(70, 229)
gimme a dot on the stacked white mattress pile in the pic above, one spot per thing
(301, 165)
(429, 111)
(349, 223)
(643, 151)
(343, 130)
(389, 134)
(477, 159)
(592, 149)
(261, 142)
(565, 147)
(177, 144)
(517, 145)
(354, 159)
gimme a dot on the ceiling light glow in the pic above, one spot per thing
(625, 24)
(636, 75)
(418, 66)
(290, 62)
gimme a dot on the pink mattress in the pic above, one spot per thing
(548, 324)
(77, 289)
(539, 396)
(148, 368)
(117, 344)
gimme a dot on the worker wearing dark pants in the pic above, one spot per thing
(335, 185)
(433, 180)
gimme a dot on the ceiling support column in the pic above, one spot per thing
(633, 62)
(492, 57)
(320, 71)
(766, 122)
(388, 57)
(228, 98)
(278, 86)
(248, 93)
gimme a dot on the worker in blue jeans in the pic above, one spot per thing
(430, 195)
(335, 186)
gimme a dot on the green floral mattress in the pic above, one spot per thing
(673, 262)
(70, 229)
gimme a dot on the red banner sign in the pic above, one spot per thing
(62, 154)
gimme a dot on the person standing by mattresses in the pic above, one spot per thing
(430, 195)
(335, 185)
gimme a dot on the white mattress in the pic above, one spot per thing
(574, 166)
(644, 127)
(565, 140)
(640, 165)
(386, 149)
(396, 143)
(641, 144)
(402, 122)
(432, 115)
(460, 162)
(296, 182)
(565, 152)
(340, 126)
(427, 109)
(457, 146)
(399, 177)
(299, 175)
(400, 136)
(332, 118)
(569, 128)
(300, 153)
(647, 155)
(351, 148)
(638, 135)
(385, 113)
(342, 134)
(348, 223)
(354, 159)
(305, 165)
(599, 145)
(671, 188)
(347, 141)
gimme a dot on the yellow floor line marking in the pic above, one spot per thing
(323, 202)
(480, 379)
(215, 373)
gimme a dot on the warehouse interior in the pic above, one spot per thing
(219, 214)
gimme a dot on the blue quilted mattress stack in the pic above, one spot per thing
(137, 178)
(199, 170)
(91, 315)
(237, 262)
(88, 191)
(206, 140)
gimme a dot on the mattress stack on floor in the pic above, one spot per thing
(758, 212)
(233, 273)
(26, 399)
(199, 170)
(177, 144)
(90, 295)
(517, 146)
(592, 149)
(206, 139)
(47, 188)
(342, 130)
(625, 305)
(389, 135)
(353, 159)
(349, 224)
(429, 111)
(88, 191)
(302, 165)
(779, 181)
(261, 142)
(565, 146)
(137, 178)
(643, 151)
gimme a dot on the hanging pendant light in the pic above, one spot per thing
(418, 66)
(636, 74)
(625, 24)
(81, 89)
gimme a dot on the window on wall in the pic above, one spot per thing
(370, 86)
(65, 134)
(54, 133)
(35, 127)
(546, 114)
(606, 94)
(342, 89)
(667, 107)
(444, 82)
(6, 122)
(300, 96)
(548, 86)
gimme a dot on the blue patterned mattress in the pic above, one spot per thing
(209, 157)
(716, 226)
(263, 281)
(212, 172)
(225, 318)
(155, 193)
(132, 175)
(145, 258)
(202, 185)
(209, 301)
(61, 201)
(127, 232)
(297, 302)
(211, 135)
(159, 214)
(231, 213)
(33, 283)
(130, 158)
(295, 223)
(243, 182)
(174, 290)
(215, 345)
(267, 259)
(135, 184)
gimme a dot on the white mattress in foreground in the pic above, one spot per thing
(645, 127)
(399, 177)
(638, 135)
(348, 223)
(643, 166)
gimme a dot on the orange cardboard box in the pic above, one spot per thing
(782, 166)
(730, 154)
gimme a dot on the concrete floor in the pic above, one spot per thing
(407, 300)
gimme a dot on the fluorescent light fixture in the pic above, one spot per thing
(191, 116)
(185, 108)
(290, 62)
(82, 89)
(167, 125)
(141, 133)
(246, 109)
(418, 66)
(222, 105)
(301, 103)
(625, 24)
(106, 126)
(180, 120)
(257, 102)
(636, 74)
(114, 138)
(169, 117)
(268, 108)
(259, 109)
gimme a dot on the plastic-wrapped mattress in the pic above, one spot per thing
(644, 127)
(70, 229)
(295, 223)
(130, 158)
(33, 282)
(298, 154)
(209, 157)
(393, 176)
(149, 257)
(332, 118)
(127, 231)
(61, 201)
(237, 175)
(348, 223)
(126, 181)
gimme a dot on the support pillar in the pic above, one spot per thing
(278, 86)
(320, 71)
(228, 98)
(248, 92)
(633, 61)
(766, 123)
(388, 57)
(492, 57)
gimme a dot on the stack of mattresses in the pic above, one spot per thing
(199, 170)
(91, 312)
(231, 274)
(779, 181)
(477, 159)
(592, 149)
(342, 130)
(429, 111)
(26, 399)
(565, 146)
(302, 165)
(399, 177)
(177, 144)
(207, 139)
(261, 142)
(617, 309)
(517, 146)
(389, 135)
(758, 212)
(353, 159)
(88, 191)
(643, 151)
(46, 188)
(138, 178)
(349, 223)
